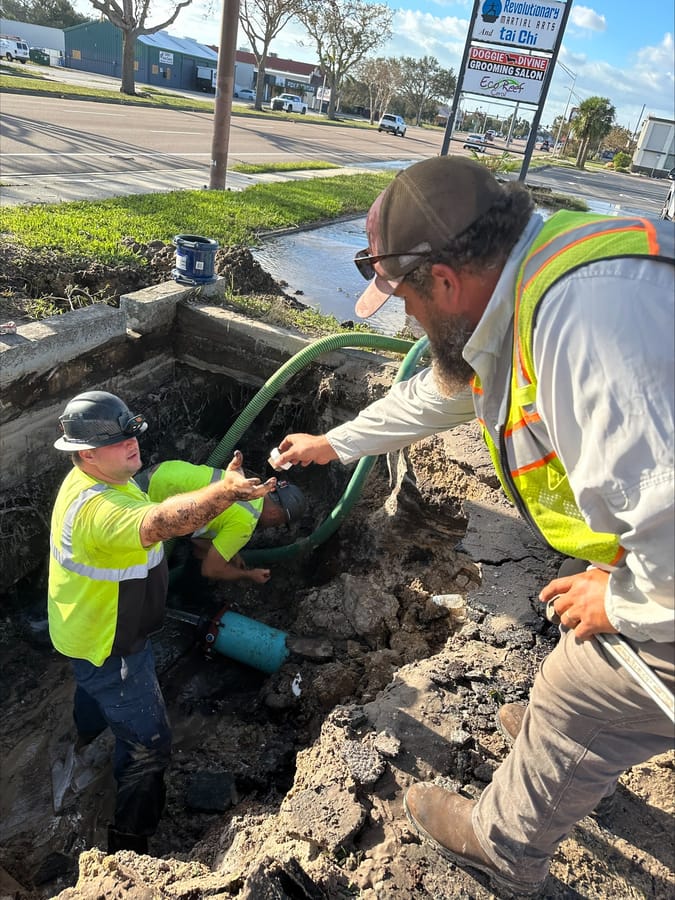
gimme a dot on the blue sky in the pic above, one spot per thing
(617, 49)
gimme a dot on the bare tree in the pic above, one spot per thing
(131, 16)
(423, 81)
(382, 78)
(344, 32)
(262, 20)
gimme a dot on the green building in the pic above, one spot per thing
(161, 59)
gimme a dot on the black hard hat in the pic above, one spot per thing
(97, 419)
(291, 499)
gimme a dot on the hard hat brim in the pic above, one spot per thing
(64, 444)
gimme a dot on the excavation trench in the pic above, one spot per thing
(363, 597)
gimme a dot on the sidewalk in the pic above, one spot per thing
(94, 186)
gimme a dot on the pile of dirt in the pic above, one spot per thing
(419, 618)
(40, 282)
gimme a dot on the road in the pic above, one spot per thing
(59, 149)
(605, 192)
(55, 149)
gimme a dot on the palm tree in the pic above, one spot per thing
(592, 122)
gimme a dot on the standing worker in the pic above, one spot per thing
(218, 543)
(565, 330)
(108, 581)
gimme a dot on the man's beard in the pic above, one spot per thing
(448, 339)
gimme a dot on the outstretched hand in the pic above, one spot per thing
(579, 601)
(238, 487)
(305, 449)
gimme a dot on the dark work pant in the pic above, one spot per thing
(124, 695)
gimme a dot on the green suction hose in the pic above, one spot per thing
(352, 492)
(222, 454)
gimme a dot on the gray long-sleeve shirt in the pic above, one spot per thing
(604, 356)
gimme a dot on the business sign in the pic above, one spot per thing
(504, 75)
(165, 58)
(521, 23)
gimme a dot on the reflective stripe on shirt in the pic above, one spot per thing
(64, 556)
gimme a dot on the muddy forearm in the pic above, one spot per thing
(185, 513)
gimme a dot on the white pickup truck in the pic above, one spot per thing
(289, 103)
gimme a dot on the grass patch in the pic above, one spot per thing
(262, 168)
(274, 311)
(35, 84)
(96, 228)
(550, 200)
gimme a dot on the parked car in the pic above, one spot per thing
(668, 211)
(475, 142)
(13, 48)
(394, 124)
(245, 94)
(289, 103)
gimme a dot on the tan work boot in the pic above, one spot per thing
(510, 720)
(444, 819)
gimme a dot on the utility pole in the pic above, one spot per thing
(563, 121)
(222, 113)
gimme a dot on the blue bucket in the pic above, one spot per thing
(250, 642)
(195, 259)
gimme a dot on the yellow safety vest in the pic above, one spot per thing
(526, 463)
(231, 529)
(106, 591)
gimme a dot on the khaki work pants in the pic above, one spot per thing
(586, 723)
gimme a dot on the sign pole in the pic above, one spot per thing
(529, 149)
(450, 124)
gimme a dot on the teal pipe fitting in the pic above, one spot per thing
(250, 642)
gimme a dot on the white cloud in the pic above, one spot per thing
(422, 34)
(587, 18)
(658, 57)
(645, 84)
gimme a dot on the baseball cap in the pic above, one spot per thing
(425, 206)
(291, 499)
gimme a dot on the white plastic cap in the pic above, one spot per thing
(274, 456)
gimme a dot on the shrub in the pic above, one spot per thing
(622, 160)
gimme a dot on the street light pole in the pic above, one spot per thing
(573, 76)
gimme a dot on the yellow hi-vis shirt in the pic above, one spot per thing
(107, 593)
(231, 529)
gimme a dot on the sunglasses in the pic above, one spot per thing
(131, 425)
(364, 261)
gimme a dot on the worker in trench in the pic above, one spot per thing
(108, 582)
(218, 543)
(558, 336)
